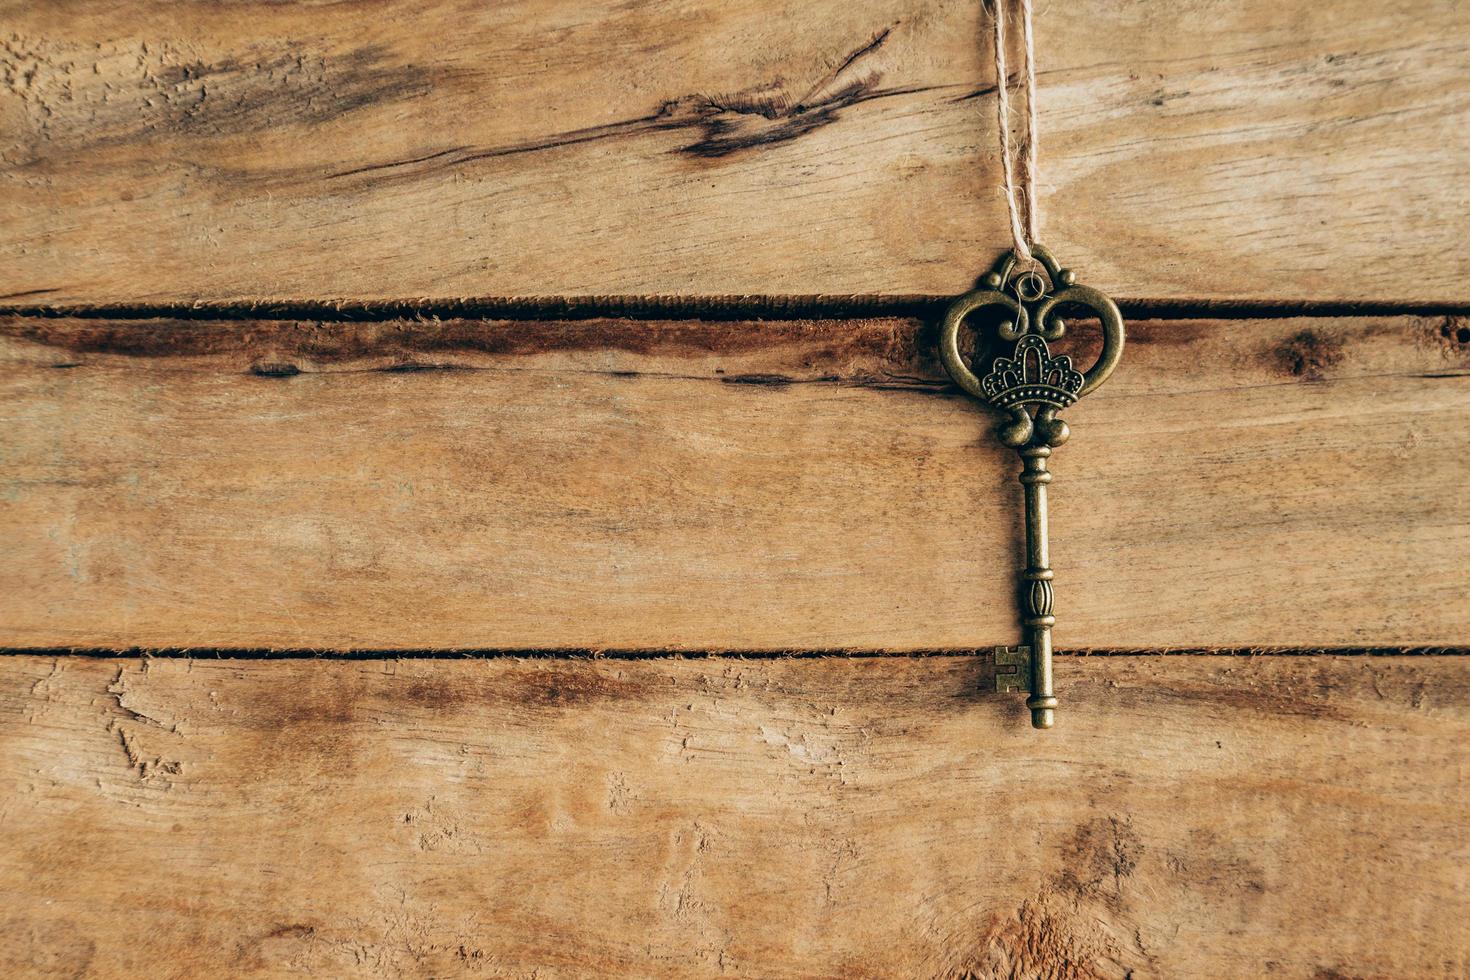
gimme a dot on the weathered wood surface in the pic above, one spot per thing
(1194, 817)
(156, 150)
(807, 485)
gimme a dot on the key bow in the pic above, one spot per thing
(1031, 376)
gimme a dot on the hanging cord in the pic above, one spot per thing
(1020, 201)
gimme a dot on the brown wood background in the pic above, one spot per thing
(478, 497)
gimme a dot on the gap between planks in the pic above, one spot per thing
(245, 653)
(820, 307)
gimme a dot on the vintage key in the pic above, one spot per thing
(1031, 386)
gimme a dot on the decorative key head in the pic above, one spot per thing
(1030, 384)
(1031, 376)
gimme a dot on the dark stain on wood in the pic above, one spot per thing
(1155, 333)
(1097, 859)
(249, 93)
(537, 686)
(1309, 355)
(49, 946)
(293, 87)
(1312, 696)
(1219, 866)
(530, 685)
(895, 343)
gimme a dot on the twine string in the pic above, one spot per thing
(1020, 194)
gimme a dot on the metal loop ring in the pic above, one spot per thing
(1041, 257)
(1029, 286)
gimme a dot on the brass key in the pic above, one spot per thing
(1031, 386)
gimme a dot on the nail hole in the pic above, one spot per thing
(1456, 332)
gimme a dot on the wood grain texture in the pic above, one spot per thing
(806, 485)
(1195, 817)
(164, 151)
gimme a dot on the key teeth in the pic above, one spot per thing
(1013, 669)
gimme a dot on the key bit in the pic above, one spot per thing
(1012, 669)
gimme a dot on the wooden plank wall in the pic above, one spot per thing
(163, 152)
(479, 499)
(749, 486)
(1194, 816)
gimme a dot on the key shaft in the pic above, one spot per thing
(1037, 598)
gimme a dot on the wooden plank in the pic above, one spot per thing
(393, 149)
(810, 485)
(1194, 816)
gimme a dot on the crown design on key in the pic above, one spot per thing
(1031, 376)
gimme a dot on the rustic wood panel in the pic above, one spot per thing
(717, 486)
(156, 150)
(1194, 817)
